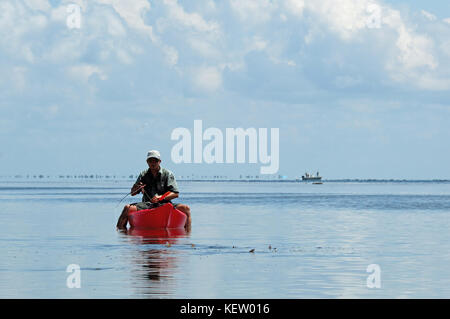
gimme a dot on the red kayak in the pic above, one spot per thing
(165, 216)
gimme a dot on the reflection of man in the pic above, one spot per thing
(154, 182)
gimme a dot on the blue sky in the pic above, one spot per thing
(351, 98)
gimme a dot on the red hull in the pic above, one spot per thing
(165, 216)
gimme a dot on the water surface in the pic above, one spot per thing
(307, 241)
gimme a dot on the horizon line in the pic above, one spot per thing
(216, 178)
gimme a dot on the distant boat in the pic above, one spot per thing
(310, 177)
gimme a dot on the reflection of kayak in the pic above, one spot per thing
(157, 235)
(165, 216)
(157, 232)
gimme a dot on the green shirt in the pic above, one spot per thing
(160, 184)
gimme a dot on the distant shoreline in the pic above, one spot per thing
(100, 178)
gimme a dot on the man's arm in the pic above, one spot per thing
(171, 186)
(169, 197)
(137, 188)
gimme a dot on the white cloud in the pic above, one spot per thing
(353, 20)
(115, 26)
(432, 82)
(116, 31)
(58, 14)
(415, 50)
(42, 5)
(191, 28)
(345, 17)
(132, 11)
(84, 71)
(205, 48)
(257, 43)
(415, 59)
(254, 11)
(295, 7)
(171, 54)
(191, 20)
(17, 22)
(428, 15)
(124, 57)
(445, 47)
(67, 50)
(207, 78)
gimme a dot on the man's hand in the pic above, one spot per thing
(137, 188)
(155, 199)
(167, 196)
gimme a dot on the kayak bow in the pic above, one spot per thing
(164, 216)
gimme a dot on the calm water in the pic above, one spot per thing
(321, 238)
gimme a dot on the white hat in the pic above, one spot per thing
(154, 154)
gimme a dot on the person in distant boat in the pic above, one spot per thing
(153, 183)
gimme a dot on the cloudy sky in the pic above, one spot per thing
(357, 88)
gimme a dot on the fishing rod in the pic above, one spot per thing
(139, 189)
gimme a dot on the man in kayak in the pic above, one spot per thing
(153, 183)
